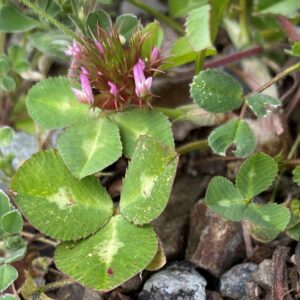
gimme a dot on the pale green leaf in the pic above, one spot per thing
(258, 103)
(55, 202)
(12, 222)
(296, 175)
(198, 28)
(53, 43)
(296, 49)
(154, 37)
(8, 275)
(126, 25)
(7, 84)
(293, 228)
(179, 8)
(95, 144)
(4, 204)
(6, 136)
(148, 181)
(8, 297)
(235, 133)
(98, 18)
(110, 257)
(13, 20)
(216, 91)
(139, 122)
(271, 215)
(223, 198)
(52, 104)
(256, 174)
(287, 8)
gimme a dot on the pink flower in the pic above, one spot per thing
(73, 50)
(113, 89)
(142, 85)
(86, 95)
(154, 55)
(100, 47)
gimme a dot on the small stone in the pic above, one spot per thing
(214, 243)
(22, 147)
(264, 275)
(179, 281)
(233, 282)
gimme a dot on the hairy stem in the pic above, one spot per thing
(196, 145)
(56, 285)
(167, 20)
(277, 78)
(199, 63)
(35, 8)
(294, 147)
(40, 239)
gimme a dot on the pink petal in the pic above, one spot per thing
(113, 89)
(86, 85)
(148, 83)
(81, 96)
(154, 55)
(100, 47)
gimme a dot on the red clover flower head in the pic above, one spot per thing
(114, 73)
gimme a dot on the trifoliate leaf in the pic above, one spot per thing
(223, 198)
(235, 133)
(139, 122)
(271, 215)
(95, 144)
(258, 103)
(52, 104)
(127, 25)
(110, 257)
(4, 204)
(256, 174)
(148, 181)
(57, 203)
(216, 91)
(98, 18)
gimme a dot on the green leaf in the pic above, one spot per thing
(6, 136)
(98, 18)
(4, 204)
(258, 103)
(8, 275)
(296, 175)
(178, 8)
(287, 8)
(139, 122)
(16, 53)
(5, 65)
(263, 234)
(53, 43)
(52, 104)
(13, 20)
(110, 257)
(216, 91)
(217, 10)
(235, 132)
(148, 181)
(154, 37)
(256, 174)
(55, 202)
(271, 215)
(296, 49)
(8, 84)
(198, 28)
(223, 198)
(96, 144)
(12, 222)
(127, 25)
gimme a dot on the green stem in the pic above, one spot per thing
(172, 113)
(200, 61)
(196, 145)
(35, 8)
(294, 147)
(277, 78)
(158, 15)
(56, 285)
(244, 18)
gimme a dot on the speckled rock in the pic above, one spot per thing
(233, 282)
(214, 243)
(264, 275)
(179, 281)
